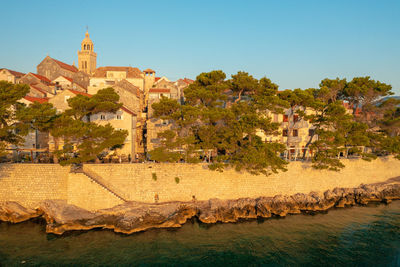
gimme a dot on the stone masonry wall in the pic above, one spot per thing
(87, 194)
(135, 181)
(31, 183)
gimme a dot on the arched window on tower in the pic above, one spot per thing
(85, 64)
(84, 47)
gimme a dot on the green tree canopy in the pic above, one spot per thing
(84, 140)
(11, 130)
(215, 118)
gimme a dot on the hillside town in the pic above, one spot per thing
(210, 119)
(55, 82)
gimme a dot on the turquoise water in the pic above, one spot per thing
(357, 236)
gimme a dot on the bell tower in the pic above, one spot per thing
(87, 57)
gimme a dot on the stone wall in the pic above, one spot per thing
(30, 183)
(136, 182)
(87, 194)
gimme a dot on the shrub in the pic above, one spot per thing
(177, 180)
(154, 175)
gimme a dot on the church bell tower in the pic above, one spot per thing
(87, 57)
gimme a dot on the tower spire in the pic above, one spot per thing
(86, 56)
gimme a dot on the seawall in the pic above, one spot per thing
(30, 184)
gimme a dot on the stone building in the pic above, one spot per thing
(155, 126)
(105, 77)
(36, 91)
(164, 83)
(293, 131)
(11, 76)
(33, 78)
(61, 83)
(60, 101)
(181, 84)
(35, 141)
(130, 95)
(124, 118)
(87, 57)
(52, 68)
(40, 86)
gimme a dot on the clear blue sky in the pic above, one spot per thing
(294, 43)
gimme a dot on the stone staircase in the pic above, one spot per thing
(100, 181)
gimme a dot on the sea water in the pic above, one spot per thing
(356, 236)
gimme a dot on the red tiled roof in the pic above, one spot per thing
(128, 110)
(40, 77)
(159, 90)
(67, 78)
(32, 99)
(15, 73)
(79, 93)
(65, 66)
(149, 70)
(188, 81)
(124, 84)
(157, 78)
(38, 89)
(130, 71)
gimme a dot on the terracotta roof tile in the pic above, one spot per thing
(128, 110)
(15, 73)
(188, 81)
(130, 71)
(67, 78)
(124, 84)
(159, 90)
(38, 89)
(149, 71)
(32, 99)
(79, 93)
(40, 77)
(65, 66)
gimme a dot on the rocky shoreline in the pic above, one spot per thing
(133, 217)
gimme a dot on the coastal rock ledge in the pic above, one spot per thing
(133, 217)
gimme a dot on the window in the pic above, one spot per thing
(85, 64)
(102, 117)
(285, 132)
(295, 133)
(285, 118)
(119, 117)
(311, 132)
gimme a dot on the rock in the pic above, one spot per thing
(133, 216)
(11, 211)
